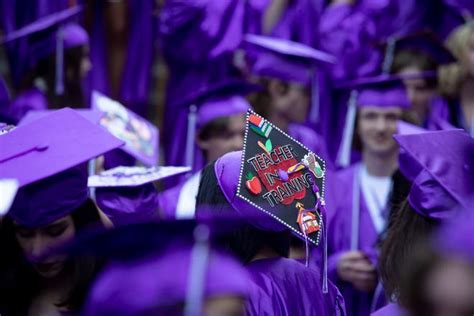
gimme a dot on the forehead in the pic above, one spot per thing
(237, 120)
(64, 219)
(372, 109)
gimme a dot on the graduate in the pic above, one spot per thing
(281, 179)
(359, 214)
(456, 79)
(288, 72)
(440, 191)
(439, 279)
(418, 57)
(174, 268)
(220, 125)
(48, 158)
(52, 66)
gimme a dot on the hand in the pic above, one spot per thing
(354, 267)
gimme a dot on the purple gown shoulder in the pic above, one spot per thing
(284, 286)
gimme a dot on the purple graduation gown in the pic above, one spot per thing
(310, 139)
(286, 287)
(339, 238)
(32, 99)
(391, 309)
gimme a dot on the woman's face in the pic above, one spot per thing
(291, 101)
(37, 242)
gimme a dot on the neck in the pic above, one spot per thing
(380, 165)
(279, 120)
(265, 253)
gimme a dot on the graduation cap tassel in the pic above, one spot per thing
(59, 83)
(191, 134)
(314, 112)
(389, 55)
(344, 154)
(322, 207)
(197, 273)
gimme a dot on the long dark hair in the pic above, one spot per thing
(19, 283)
(406, 229)
(245, 241)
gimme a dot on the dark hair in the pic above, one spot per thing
(19, 283)
(261, 100)
(214, 128)
(415, 58)
(245, 241)
(406, 229)
(46, 69)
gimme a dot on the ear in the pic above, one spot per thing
(276, 88)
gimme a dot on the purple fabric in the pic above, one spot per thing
(198, 40)
(168, 201)
(46, 201)
(136, 77)
(286, 287)
(311, 140)
(391, 309)
(447, 176)
(339, 237)
(454, 239)
(170, 270)
(124, 205)
(221, 107)
(283, 59)
(227, 169)
(32, 99)
(393, 97)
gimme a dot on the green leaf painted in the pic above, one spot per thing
(268, 145)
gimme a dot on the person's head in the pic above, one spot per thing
(439, 277)
(246, 241)
(406, 228)
(375, 129)
(285, 100)
(461, 44)
(222, 135)
(419, 90)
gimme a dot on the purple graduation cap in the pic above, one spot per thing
(47, 158)
(380, 91)
(127, 194)
(167, 264)
(425, 42)
(50, 34)
(441, 167)
(92, 116)
(219, 100)
(278, 176)
(288, 61)
(140, 136)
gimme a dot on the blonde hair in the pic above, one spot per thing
(451, 76)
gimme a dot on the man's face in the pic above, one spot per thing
(230, 140)
(292, 102)
(376, 127)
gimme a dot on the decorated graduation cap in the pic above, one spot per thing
(47, 158)
(441, 167)
(288, 61)
(425, 42)
(382, 91)
(140, 136)
(127, 194)
(278, 176)
(185, 266)
(50, 34)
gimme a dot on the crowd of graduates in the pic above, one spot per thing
(231, 157)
